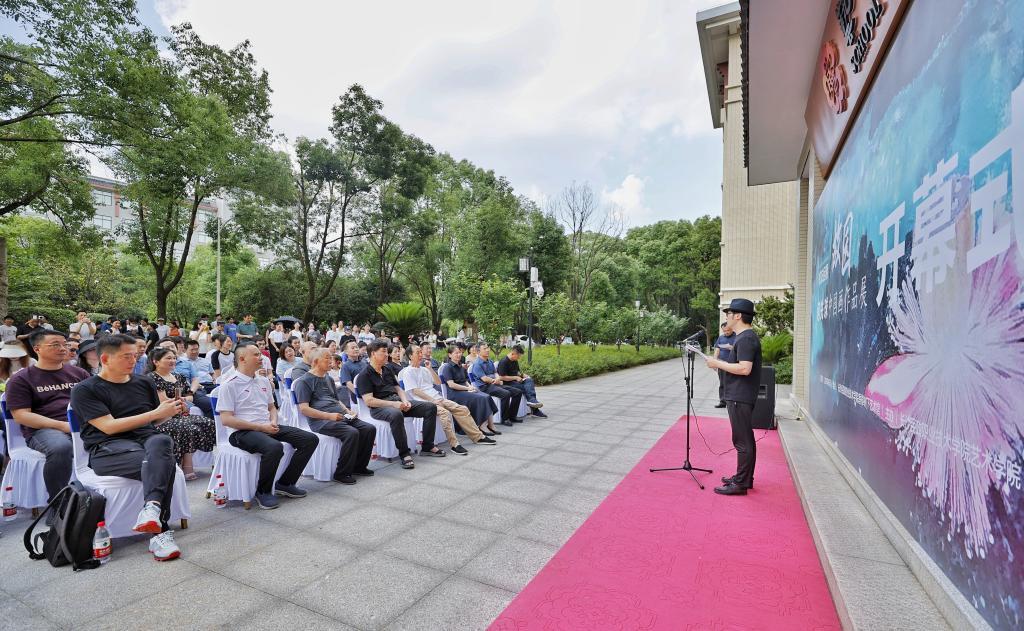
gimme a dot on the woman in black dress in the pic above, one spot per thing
(480, 405)
(190, 432)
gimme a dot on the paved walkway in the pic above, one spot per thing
(444, 546)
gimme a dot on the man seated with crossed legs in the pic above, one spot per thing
(118, 409)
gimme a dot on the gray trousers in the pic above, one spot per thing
(150, 459)
(56, 446)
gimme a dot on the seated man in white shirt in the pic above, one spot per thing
(418, 379)
(317, 396)
(246, 405)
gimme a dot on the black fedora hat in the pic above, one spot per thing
(741, 305)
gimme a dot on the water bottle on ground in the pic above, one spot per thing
(101, 543)
(220, 496)
(10, 510)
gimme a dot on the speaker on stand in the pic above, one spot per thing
(764, 407)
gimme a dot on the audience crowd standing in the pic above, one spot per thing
(141, 391)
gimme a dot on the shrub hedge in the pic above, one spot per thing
(579, 361)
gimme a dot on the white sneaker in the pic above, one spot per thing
(149, 519)
(163, 547)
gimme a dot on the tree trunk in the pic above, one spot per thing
(3, 276)
(161, 300)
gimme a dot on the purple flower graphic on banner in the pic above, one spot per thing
(953, 395)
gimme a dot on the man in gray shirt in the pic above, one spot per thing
(317, 397)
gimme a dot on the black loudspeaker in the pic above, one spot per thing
(764, 408)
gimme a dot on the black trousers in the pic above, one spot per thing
(202, 401)
(721, 386)
(396, 419)
(271, 451)
(741, 419)
(509, 399)
(150, 460)
(356, 443)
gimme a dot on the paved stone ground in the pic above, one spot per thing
(444, 546)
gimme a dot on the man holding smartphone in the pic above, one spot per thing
(318, 401)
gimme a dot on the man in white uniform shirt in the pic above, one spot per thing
(246, 405)
(418, 379)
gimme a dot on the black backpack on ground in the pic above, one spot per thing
(76, 511)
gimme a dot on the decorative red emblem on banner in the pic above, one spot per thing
(833, 77)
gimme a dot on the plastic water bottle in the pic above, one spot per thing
(220, 496)
(10, 510)
(101, 543)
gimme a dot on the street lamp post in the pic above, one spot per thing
(524, 266)
(638, 316)
(218, 256)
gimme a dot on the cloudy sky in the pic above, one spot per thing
(608, 92)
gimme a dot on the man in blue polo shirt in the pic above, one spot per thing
(485, 377)
(354, 364)
(723, 351)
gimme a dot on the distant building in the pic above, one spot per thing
(112, 210)
(758, 222)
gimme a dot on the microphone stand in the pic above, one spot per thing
(688, 359)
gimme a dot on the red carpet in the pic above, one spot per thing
(659, 553)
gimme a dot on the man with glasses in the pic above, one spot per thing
(742, 380)
(37, 398)
(118, 410)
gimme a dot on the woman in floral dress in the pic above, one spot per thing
(190, 432)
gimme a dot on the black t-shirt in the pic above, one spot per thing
(25, 329)
(743, 389)
(345, 339)
(96, 397)
(382, 386)
(508, 368)
(451, 371)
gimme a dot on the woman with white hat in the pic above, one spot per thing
(13, 357)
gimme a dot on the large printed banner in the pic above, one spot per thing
(917, 363)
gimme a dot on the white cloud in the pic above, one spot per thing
(542, 92)
(627, 201)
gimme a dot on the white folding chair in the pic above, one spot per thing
(24, 473)
(288, 413)
(239, 469)
(123, 495)
(200, 459)
(384, 444)
(325, 459)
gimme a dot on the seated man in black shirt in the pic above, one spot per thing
(742, 381)
(117, 410)
(513, 379)
(318, 401)
(378, 386)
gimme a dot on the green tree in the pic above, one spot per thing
(776, 316)
(214, 142)
(557, 317)
(495, 309)
(403, 318)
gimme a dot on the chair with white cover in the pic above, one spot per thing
(24, 473)
(288, 413)
(239, 469)
(325, 459)
(123, 495)
(413, 426)
(384, 444)
(200, 459)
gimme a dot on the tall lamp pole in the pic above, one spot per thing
(638, 316)
(218, 255)
(524, 266)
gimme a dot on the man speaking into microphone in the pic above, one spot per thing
(742, 378)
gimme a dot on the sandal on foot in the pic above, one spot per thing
(407, 463)
(436, 454)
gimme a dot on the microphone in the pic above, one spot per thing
(695, 335)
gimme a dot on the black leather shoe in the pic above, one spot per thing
(721, 404)
(507, 422)
(518, 419)
(732, 480)
(730, 489)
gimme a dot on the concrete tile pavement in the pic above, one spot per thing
(446, 545)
